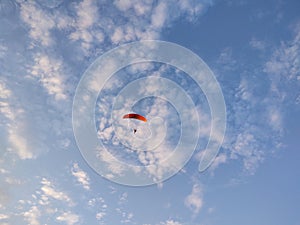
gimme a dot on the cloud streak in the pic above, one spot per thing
(81, 176)
(11, 117)
(50, 192)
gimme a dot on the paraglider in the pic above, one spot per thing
(135, 116)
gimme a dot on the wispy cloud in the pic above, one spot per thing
(247, 147)
(226, 59)
(255, 121)
(4, 216)
(258, 44)
(100, 215)
(194, 201)
(275, 118)
(125, 216)
(139, 7)
(87, 18)
(11, 120)
(47, 203)
(49, 191)
(123, 198)
(158, 17)
(161, 14)
(39, 21)
(112, 163)
(242, 140)
(283, 69)
(48, 71)
(221, 158)
(81, 176)
(3, 50)
(68, 217)
(32, 215)
(170, 222)
(100, 207)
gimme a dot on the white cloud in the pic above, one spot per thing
(49, 72)
(247, 147)
(3, 171)
(12, 180)
(124, 5)
(161, 14)
(81, 176)
(194, 8)
(252, 120)
(5, 107)
(63, 21)
(285, 60)
(257, 44)
(87, 14)
(4, 216)
(3, 50)
(4, 196)
(24, 115)
(126, 217)
(194, 201)
(220, 159)
(123, 198)
(275, 119)
(50, 191)
(20, 145)
(32, 215)
(112, 163)
(100, 215)
(14, 125)
(158, 17)
(46, 202)
(99, 204)
(39, 21)
(117, 35)
(297, 100)
(248, 142)
(244, 92)
(226, 59)
(211, 210)
(69, 218)
(4, 92)
(171, 222)
(144, 20)
(87, 17)
(50, 4)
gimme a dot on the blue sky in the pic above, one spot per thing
(253, 50)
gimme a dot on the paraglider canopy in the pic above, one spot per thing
(134, 116)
